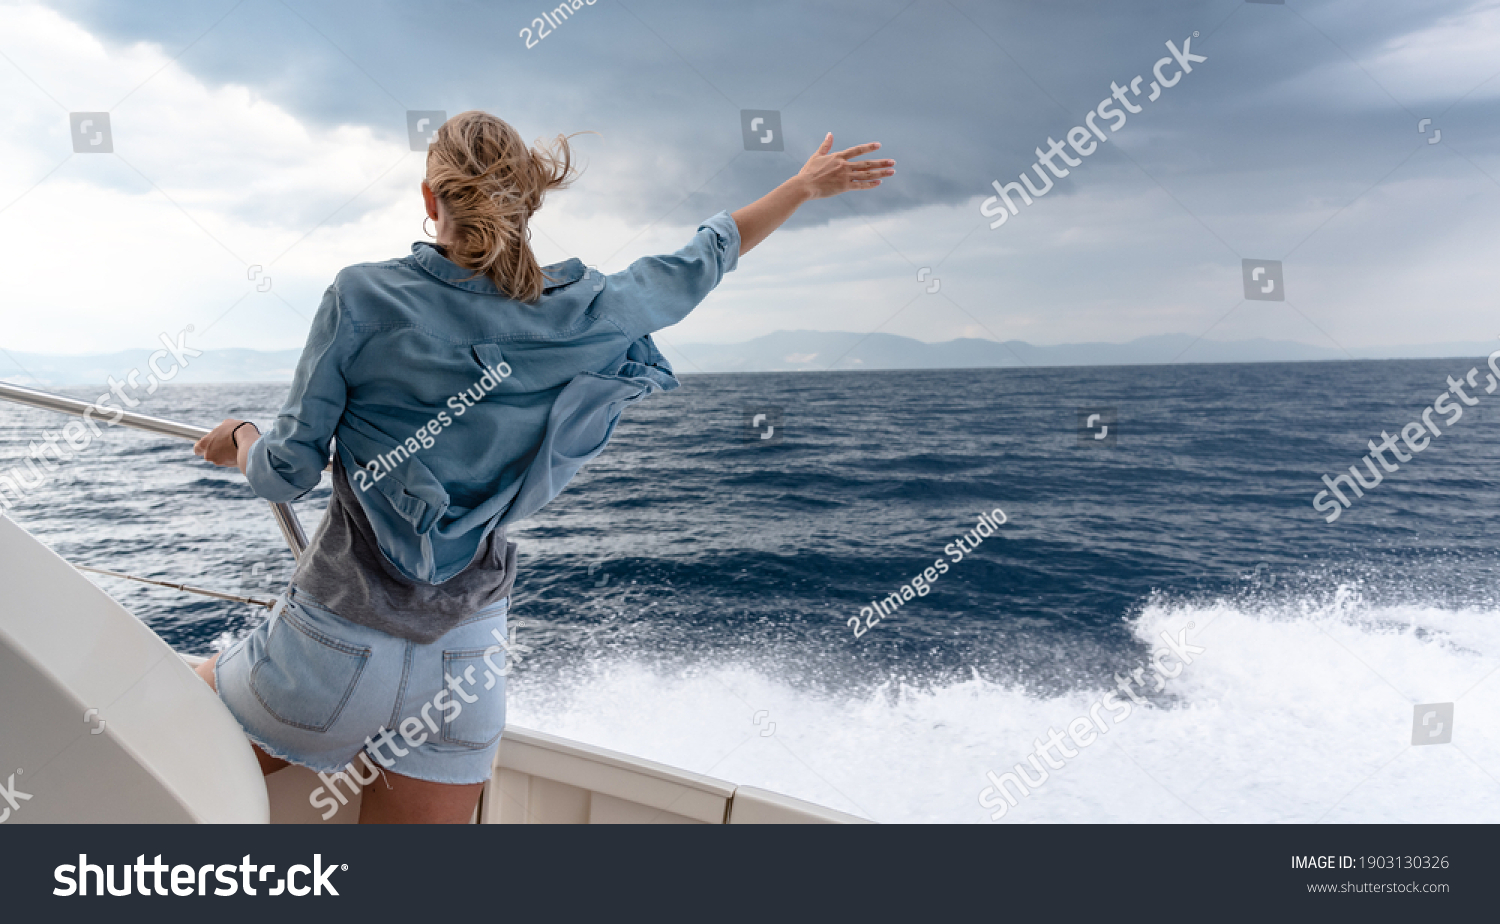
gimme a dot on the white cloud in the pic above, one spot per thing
(1444, 59)
(112, 249)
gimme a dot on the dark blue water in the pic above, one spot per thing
(692, 545)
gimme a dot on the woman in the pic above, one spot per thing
(463, 386)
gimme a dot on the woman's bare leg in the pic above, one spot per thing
(268, 764)
(404, 800)
(393, 799)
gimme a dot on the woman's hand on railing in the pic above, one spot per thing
(224, 445)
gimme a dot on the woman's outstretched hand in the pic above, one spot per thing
(827, 174)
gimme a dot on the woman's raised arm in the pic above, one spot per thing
(822, 176)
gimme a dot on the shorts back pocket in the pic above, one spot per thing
(476, 674)
(305, 677)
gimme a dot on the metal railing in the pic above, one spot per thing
(286, 519)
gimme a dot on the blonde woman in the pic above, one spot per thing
(458, 390)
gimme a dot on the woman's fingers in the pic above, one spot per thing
(858, 149)
(868, 174)
(830, 174)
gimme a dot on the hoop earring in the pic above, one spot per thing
(432, 234)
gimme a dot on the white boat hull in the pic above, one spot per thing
(103, 722)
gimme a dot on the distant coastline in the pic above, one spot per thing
(782, 351)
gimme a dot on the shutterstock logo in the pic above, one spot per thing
(762, 129)
(187, 880)
(422, 126)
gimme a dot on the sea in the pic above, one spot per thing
(702, 594)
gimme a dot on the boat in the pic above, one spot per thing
(105, 722)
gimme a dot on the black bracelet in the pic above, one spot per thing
(236, 430)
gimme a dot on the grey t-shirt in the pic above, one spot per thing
(344, 570)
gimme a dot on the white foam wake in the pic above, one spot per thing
(1297, 711)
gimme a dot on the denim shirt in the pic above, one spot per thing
(400, 369)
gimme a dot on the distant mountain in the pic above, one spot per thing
(213, 366)
(785, 350)
(816, 350)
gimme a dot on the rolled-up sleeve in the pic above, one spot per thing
(657, 292)
(288, 461)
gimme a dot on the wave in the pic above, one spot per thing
(1297, 710)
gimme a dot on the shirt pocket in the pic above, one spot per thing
(477, 674)
(410, 487)
(493, 368)
(305, 678)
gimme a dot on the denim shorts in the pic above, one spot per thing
(312, 688)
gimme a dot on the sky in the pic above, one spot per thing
(259, 146)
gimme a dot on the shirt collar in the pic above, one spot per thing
(429, 258)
